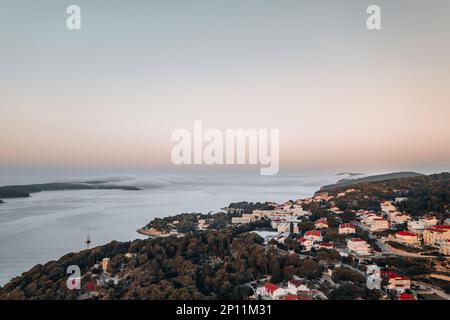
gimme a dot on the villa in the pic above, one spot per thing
(358, 246)
(270, 291)
(313, 235)
(407, 237)
(346, 228)
(321, 224)
(436, 234)
(396, 282)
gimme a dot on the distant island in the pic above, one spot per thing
(23, 191)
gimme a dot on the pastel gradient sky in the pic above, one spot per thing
(112, 93)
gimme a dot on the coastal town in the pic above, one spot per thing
(391, 233)
(365, 242)
(359, 237)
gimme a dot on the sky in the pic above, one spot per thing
(111, 94)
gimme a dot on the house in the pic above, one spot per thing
(202, 224)
(234, 210)
(444, 247)
(362, 212)
(286, 227)
(387, 207)
(396, 282)
(275, 222)
(326, 245)
(295, 286)
(358, 246)
(342, 194)
(313, 235)
(378, 224)
(416, 226)
(251, 216)
(323, 196)
(346, 228)
(270, 291)
(321, 224)
(436, 234)
(106, 264)
(336, 210)
(262, 213)
(306, 243)
(240, 220)
(429, 221)
(407, 237)
(281, 237)
(298, 211)
(400, 218)
(283, 227)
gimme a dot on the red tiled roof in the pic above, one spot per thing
(290, 297)
(296, 283)
(271, 287)
(393, 275)
(346, 225)
(326, 244)
(406, 233)
(440, 229)
(356, 240)
(313, 233)
(406, 296)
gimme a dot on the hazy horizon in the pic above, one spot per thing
(110, 94)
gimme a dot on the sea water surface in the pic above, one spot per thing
(50, 224)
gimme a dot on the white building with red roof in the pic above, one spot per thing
(321, 224)
(437, 234)
(313, 235)
(336, 210)
(270, 291)
(326, 245)
(346, 228)
(407, 237)
(358, 246)
(306, 243)
(396, 282)
(295, 286)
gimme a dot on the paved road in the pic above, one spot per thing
(429, 289)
